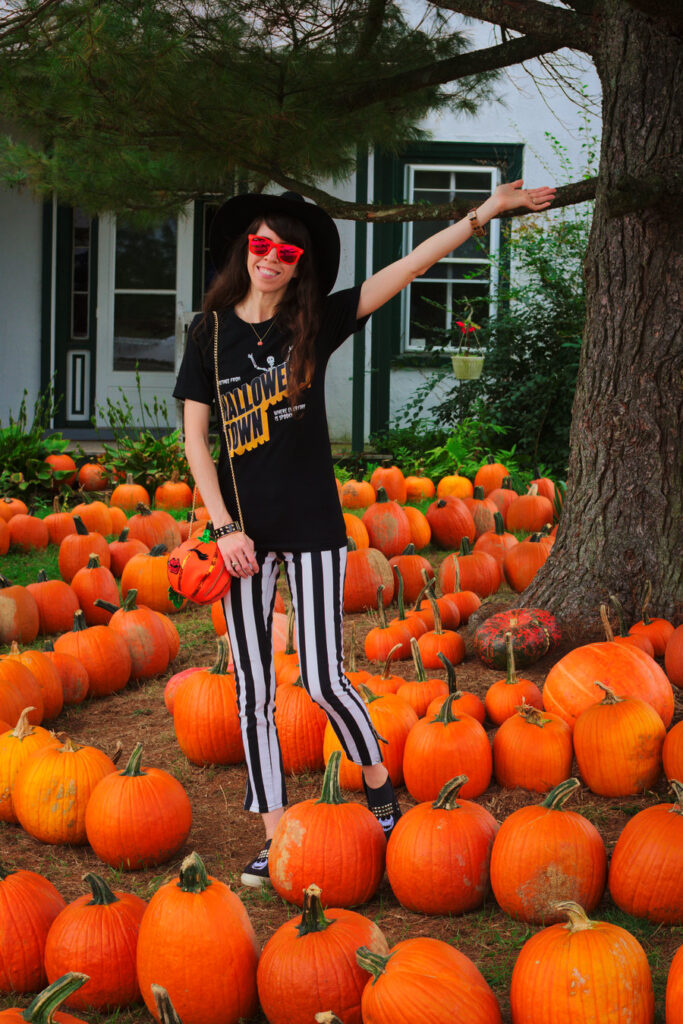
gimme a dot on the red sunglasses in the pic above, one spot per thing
(286, 253)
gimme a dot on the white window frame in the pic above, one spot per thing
(418, 344)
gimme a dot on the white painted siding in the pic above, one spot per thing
(20, 299)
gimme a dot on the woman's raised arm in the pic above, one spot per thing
(389, 281)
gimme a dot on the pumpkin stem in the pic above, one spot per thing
(42, 1008)
(610, 696)
(312, 915)
(331, 791)
(511, 676)
(158, 549)
(142, 509)
(557, 797)
(23, 728)
(429, 584)
(93, 561)
(619, 609)
(386, 668)
(478, 493)
(4, 872)
(374, 963)
(221, 666)
(456, 570)
(417, 661)
(399, 598)
(14, 651)
(418, 600)
(606, 625)
(465, 546)
(42, 576)
(351, 544)
(81, 528)
(447, 800)
(532, 715)
(69, 747)
(4, 582)
(450, 674)
(128, 603)
(409, 549)
(578, 919)
(49, 645)
(499, 524)
(289, 648)
(79, 620)
(102, 895)
(107, 605)
(167, 1012)
(193, 876)
(380, 607)
(677, 787)
(382, 495)
(133, 766)
(123, 536)
(445, 714)
(327, 1017)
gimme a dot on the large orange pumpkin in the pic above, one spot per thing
(570, 685)
(196, 935)
(16, 746)
(102, 651)
(387, 525)
(29, 904)
(440, 748)
(583, 971)
(19, 616)
(392, 480)
(341, 844)
(310, 961)
(205, 714)
(544, 853)
(52, 789)
(366, 569)
(674, 990)
(97, 935)
(137, 817)
(430, 975)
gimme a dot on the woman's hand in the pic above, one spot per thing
(511, 196)
(238, 554)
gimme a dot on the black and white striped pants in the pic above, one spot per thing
(316, 583)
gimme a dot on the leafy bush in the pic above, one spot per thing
(23, 450)
(149, 453)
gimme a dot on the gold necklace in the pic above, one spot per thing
(260, 339)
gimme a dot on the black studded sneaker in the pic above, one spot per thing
(384, 805)
(256, 872)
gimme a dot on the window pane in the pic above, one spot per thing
(480, 181)
(79, 314)
(451, 270)
(425, 229)
(473, 293)
(146, 259)
(432, 196)
(144, 332)
(208, 270)
(431, 179)
(427, 321)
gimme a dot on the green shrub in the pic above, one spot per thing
(24, 448)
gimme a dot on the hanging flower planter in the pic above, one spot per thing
(467, 363)
(467, 366)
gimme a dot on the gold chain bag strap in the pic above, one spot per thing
(221, 414)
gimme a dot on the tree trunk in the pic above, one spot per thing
(621, 523)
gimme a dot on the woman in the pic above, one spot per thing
(273, 498)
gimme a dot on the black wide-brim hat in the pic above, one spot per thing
(234, 217)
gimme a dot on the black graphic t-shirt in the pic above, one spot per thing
(282, 463)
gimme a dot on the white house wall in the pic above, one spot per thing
(20, 299)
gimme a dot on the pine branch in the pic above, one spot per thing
(464, 65)
(341, 209)
(531, 17)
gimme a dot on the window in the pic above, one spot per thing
(81, 245)
(435, 300)
(145, 297)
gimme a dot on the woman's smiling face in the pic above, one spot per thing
(266, 273)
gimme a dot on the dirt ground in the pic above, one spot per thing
(226, 836)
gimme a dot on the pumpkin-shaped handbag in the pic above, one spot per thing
(196, 570)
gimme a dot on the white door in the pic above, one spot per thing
(144, 282)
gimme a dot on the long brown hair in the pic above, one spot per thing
(299, 311)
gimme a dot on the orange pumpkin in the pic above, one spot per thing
(129, 495)
(46, 676)
(529, 512)
(673, 657)
(672, 752)
(454, 485)
(59, 524)
(95, 516)
(544, 853)
(387, 525)
(56, 601)
(420, 530)
(300, 726)
(205, 715)
(504, 696)
(92, 583)
(450, 520)
(357, 494)
(28, 533)
(356, 530)
(148, 574)
(19, 615)
(92, 476)
(440, 748)
(199, 913)
(566, 971)
(97, 935)
(533, 750)
(102, 651)
(29, 904)
(392, 481)
(419, 488)
(173, 494)
(76, 549)
(341, 843)
(490, 475)
(15, 747)
(365, 571)
(52, 789)
(154, 528)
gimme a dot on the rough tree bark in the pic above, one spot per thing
(622, 519)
